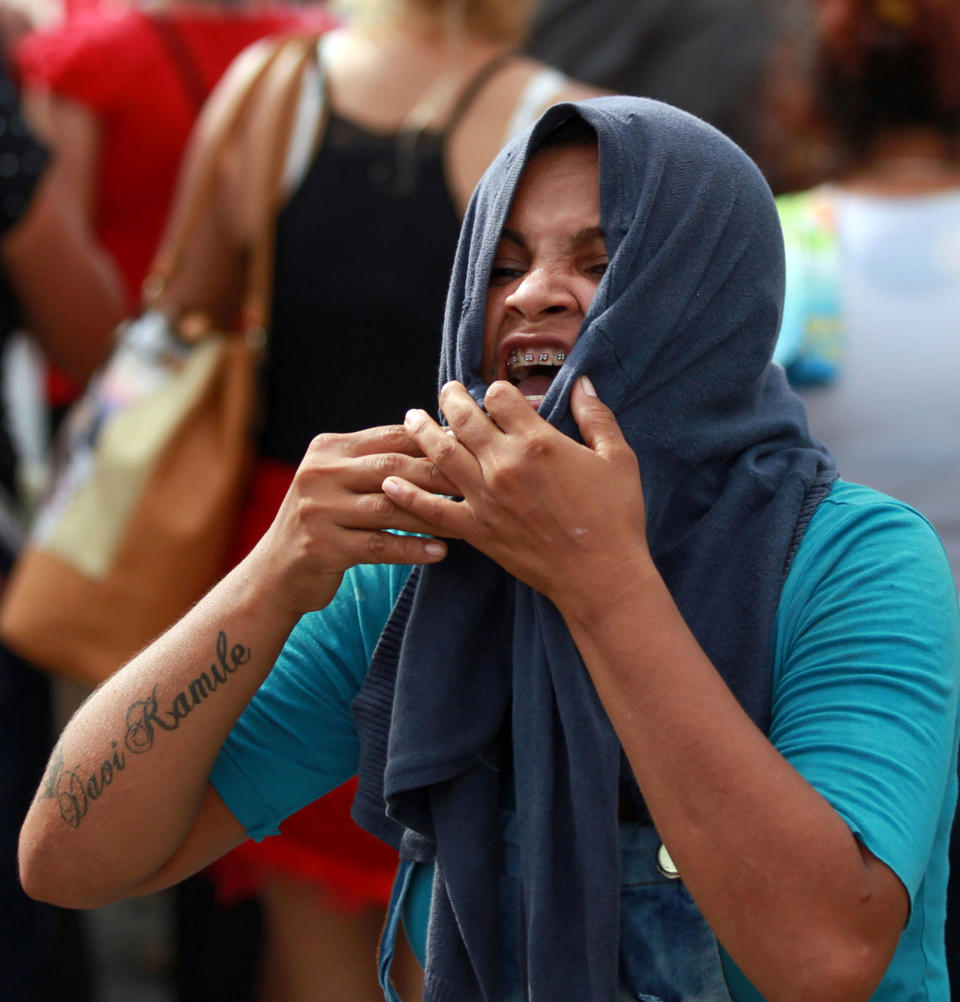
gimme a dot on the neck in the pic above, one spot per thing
(915, 162)
(388, 76)
(407, 19)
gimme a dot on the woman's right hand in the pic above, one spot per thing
(335, 515)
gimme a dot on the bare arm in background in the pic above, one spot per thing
(68, 290)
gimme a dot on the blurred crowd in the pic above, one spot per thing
(851, 108)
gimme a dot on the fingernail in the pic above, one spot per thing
(588, 386)
(435, 549)
(414, 418)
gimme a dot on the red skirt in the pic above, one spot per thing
(321, 843)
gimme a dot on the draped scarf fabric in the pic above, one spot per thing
(677, 341)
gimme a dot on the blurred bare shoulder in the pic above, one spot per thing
(514, 98)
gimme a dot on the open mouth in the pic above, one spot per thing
(532, 370)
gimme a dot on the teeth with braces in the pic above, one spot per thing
(523, 363)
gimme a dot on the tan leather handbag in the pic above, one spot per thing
(152, 461)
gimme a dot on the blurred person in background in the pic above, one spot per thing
(871, 327)
(420, 96)
(115, 91)
(705, 56)
(60, 287)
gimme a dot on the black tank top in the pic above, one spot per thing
(364, 249)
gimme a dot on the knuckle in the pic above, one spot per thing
(324, 442)
(377, 506)
(497, 391)
(378, 544)
(624, 454)
(385, 463)
(391, 436)
(501, 480)
(433, 508)
(444, 450)
(458, 421)
(497, 477)
(538, 446)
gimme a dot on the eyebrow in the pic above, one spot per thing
(578, 239)
(586, 235)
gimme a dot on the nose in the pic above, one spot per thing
(542, 292)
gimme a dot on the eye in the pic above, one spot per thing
(502, 274)
(510, 262)
(599, 269)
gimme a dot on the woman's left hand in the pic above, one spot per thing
(557, 515)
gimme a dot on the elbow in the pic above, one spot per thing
(858, 969)
(842, 983)
(34, 873)
(38, 889)
(40, 881)
(44, 877)
(35, 878)
(841, 954)
(42, 884)
(843, 970)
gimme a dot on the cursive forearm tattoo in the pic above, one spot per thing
(75, 790)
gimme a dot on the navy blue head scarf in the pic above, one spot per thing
(477, 687)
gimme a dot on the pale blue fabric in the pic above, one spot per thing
(865, 684)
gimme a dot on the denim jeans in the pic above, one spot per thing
(667, 951)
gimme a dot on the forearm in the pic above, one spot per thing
(68, 290)
(780, 878)
(128, 775)
(125, 784)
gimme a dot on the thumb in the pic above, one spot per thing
(595, 420)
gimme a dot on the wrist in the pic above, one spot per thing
(267, 586)
(614, 588)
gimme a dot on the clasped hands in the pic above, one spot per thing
(556, 514)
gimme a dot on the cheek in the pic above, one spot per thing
(584, 292)
(491, 336)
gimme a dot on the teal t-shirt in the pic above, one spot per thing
(866, 673)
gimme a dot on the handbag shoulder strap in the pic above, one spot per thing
(255, 105)
(183, 62)
(269, 129)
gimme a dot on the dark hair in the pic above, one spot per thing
(887, 64)
(574, 131)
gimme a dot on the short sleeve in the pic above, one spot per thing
(296, 739)
(78, 60)
(866, 679)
